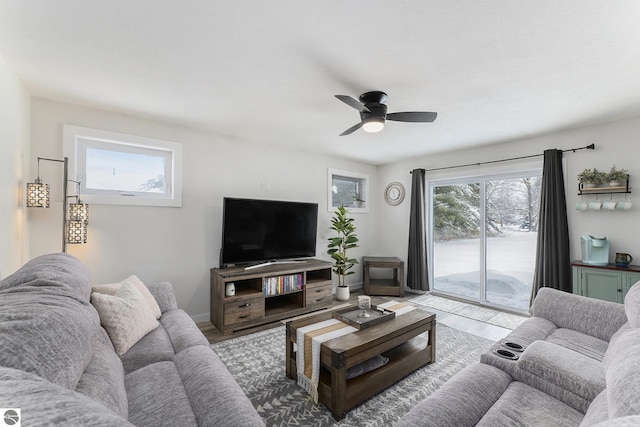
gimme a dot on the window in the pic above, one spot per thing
(348, 189)
(483, 238)
(123, 169)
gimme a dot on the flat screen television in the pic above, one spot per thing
(263, 231)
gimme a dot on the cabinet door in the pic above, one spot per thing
(630, 279)
(601, 284)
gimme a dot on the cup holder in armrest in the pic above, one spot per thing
(512, 346)
(506, 354)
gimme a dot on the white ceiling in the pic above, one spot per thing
(267, 71)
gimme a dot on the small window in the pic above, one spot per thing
(124, 169)
(348, 189)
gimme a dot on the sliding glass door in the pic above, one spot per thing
(483, 238)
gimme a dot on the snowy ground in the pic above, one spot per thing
(510, 265)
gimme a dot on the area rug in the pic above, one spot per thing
(483, 314)
(257, 363)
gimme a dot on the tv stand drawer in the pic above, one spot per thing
(243, 311)
(319, 295)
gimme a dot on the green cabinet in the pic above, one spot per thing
(606, 282)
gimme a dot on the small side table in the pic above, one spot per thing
(390, 287)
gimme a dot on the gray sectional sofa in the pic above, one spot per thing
(578, 365)
(59, 367)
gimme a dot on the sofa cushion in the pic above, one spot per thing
(584, 344)
(623, 376)
(522, 405)
(157, 397)
(47, 334)
(462, 400)
(590, 316)
(125, 315)
(59, 274)
(44, 403)
(206, 379)
(182, 331)
(103, 379)
(152, 348)
(579, 374)
(113, 288)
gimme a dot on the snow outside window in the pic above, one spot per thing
(124, 169)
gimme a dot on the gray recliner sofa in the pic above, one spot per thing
(578, 365)
(58, 365)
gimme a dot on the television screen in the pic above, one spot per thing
(264, 230)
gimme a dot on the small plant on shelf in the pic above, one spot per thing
(617, 176)
(591, 178)
(338, 246)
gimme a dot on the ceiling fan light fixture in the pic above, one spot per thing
(372, 124)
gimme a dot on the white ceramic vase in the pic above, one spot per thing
(342, 293)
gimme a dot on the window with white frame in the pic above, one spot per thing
(121, 169)
(348, 189)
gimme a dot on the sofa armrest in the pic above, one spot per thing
(600, 319)
(462, 401)
(164, 295)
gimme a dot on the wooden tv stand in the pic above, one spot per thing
(269, 293)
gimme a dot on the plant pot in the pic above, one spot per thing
(342, 293)
(589, 185)
(615, 184)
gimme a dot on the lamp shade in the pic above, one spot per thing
(76, 231)
(37, 194)
(79, 211)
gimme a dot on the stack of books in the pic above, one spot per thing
(282, 284)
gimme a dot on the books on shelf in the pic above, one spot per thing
(282, 284)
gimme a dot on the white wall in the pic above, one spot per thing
(14, 149)
(616, 142)
(180, 244)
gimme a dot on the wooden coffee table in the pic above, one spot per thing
(396, 339)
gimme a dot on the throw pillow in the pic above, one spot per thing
(366, 366)
(112, 288)
(125, 316)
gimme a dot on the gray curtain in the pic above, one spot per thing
(417, 277)
(553, 266)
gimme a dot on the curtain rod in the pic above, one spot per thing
(588, 147)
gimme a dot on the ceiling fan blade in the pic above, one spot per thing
(351, 129)
(413, 116)
(353, 103)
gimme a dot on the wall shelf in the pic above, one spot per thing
(623, 189)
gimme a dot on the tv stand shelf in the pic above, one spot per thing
(268, 293)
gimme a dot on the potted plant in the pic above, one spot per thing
(617, 176)
(357, 201)
(591, 178)
(338, 247)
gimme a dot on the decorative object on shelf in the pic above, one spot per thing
(75, 216)
(617, 176)
(357, 201)
(394, 193)
(623, 259)
(230, 289)
(591, 178)
(337, 249)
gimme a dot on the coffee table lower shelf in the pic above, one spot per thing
(409, 342)
(403, 360)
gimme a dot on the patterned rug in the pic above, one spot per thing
(257, 363)
(487, 315)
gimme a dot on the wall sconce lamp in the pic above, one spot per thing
(75, 216)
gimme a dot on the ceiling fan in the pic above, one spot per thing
(373, 112)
